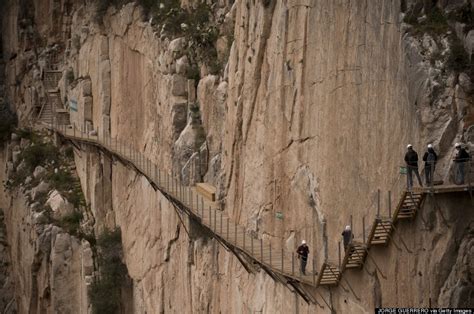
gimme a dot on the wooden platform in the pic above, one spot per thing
(206, 190)
(438, 189)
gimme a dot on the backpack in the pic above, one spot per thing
(431, 159)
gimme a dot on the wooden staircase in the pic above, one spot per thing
(380, 232)
(329, 275)
(408, 206)
(355, 255)
(46, 113)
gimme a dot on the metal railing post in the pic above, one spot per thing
(235, 233)
(282, 255)
(389, 204)
(215, 220)
(228, 238)
(270, 245)
(363, 229)
(314, 273)
(352, 226)
(339, 252)
(222, 227)
(210, 218)
(251, 245)
(378, 203)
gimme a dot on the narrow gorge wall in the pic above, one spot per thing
(309, 115)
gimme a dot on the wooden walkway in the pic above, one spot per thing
(277, 262)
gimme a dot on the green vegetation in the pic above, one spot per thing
(105, 292)
(70, 76)
(435, 22)
(68, 185)
(45, 154)
(8, 121)
(196, 24)
(458, 59)
(71, 222)
(39, 154)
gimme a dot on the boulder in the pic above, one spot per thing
(182, 65)
(59, 205)
(21, 167)
(16, 156)
(177, 46)
(465, 82)
(15, 137)
(42, 187)
(39, 172)
(28, 180)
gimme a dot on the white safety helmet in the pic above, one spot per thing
(348, 227)
(409, 146)
(430, 145)
(457, 145)
(303, 242)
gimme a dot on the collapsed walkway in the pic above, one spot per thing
(280, 264)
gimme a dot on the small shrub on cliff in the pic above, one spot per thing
(71, 222)
(105, 292)
(8, 121)
(435, 22)
(458, 59)
(39, 155)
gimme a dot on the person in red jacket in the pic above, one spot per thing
(303, 252)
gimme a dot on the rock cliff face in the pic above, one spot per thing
(307, 117)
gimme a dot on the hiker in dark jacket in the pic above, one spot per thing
(461, 159)
(347, 237)
(430, 158)
(411, 159)
(303, 252)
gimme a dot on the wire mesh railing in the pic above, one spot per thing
(217, 221)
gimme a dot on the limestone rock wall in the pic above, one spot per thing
(309, 117)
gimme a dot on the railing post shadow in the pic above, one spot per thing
(270, 246)
(293, 263)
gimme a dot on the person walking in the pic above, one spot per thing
(461, 160)
(430, 158)
(411, 160)
(347, 237)
(303, 252)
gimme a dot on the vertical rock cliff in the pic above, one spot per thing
(297, 111)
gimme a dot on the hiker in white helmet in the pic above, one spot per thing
(303, 252)
(347, 236)
(461, 161)
(411, 159)
(430, 158)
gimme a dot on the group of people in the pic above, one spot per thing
(431, 158)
